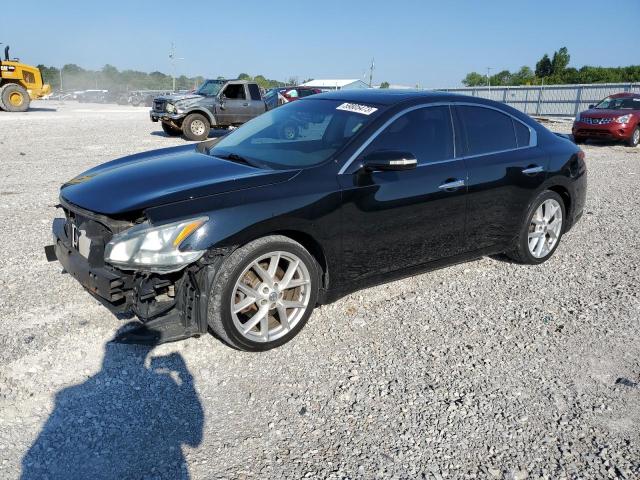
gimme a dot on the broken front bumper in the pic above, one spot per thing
(165, 116)
(171, 307)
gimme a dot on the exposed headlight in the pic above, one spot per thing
(154, 249)
(623, 118)
(170, 107)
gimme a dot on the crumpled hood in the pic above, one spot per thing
(181, 98)
(164, 176)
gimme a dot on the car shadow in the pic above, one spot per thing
(597, 143)
(215, 133)
(42, 109)
(129, 420)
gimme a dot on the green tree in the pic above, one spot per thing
(501, 78)
(524, 76)
(560, 61)
(544, 67)
(384, 85)
(244, 76)
(474, 79)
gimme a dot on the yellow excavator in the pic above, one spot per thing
(19, 84)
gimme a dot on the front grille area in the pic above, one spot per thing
(158, 105)
(597, 121)
(96, 232)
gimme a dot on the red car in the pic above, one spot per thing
(294, 93)
(615, 118)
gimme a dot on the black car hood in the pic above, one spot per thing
(160, 177)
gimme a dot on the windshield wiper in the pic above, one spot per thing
(234, 157)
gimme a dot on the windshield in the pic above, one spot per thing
(298, 134)
(620, 103)
(210, 88)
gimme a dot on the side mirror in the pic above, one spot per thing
(386, 160)
(591, 106)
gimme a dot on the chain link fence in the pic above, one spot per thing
(552, 100)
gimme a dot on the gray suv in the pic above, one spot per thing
(217, 103)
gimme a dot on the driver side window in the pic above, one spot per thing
(426, 133)
(234, 92)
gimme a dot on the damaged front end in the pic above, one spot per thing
(169, 300)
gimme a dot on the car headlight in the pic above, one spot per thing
(624, 118)
(170, 107)
(155, 249)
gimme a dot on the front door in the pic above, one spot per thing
(395, 220)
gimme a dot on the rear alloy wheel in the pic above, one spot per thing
(263, 294)
(14, 98)
(196, 127)
(634, 140)
(170, 129)
(542, 230)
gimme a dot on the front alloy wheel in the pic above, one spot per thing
(634, 140)
(271, 296)
(263, 293)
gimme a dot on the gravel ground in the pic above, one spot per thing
(482, 370)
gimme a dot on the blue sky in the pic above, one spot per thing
(430, 43)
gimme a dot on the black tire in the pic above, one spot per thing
(170, 129)
(634, 139)
(194, 130)
(219, 314)
(521, 252)
(12, 93)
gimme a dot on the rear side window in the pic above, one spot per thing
(425, 132)
(522, 134)
(487, 130)
(254, 91)
(235, 91)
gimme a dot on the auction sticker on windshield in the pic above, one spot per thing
(357, 108)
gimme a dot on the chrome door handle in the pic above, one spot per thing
(532, 170)
(245, 104)
(449, 186)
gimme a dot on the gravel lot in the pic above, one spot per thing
(481, 370)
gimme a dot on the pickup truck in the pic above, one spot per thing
(216, 104)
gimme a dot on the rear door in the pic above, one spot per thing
(256, 103)
(394, 220)
(235, 106)
(505, 168)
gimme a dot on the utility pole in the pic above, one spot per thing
(172, 59)
(371, 72)
(60, 79)
(489, 76)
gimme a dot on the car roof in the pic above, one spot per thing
(625, 95)
(387, 96)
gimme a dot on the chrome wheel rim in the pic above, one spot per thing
(636, 137)
(545, 228)
(271, 296)
(197, 127)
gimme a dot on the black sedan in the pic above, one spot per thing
(246, 234)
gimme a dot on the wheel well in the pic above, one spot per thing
(313, 247)
(206, 115)
(564, 193)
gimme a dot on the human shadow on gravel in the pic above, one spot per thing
(129, 421)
